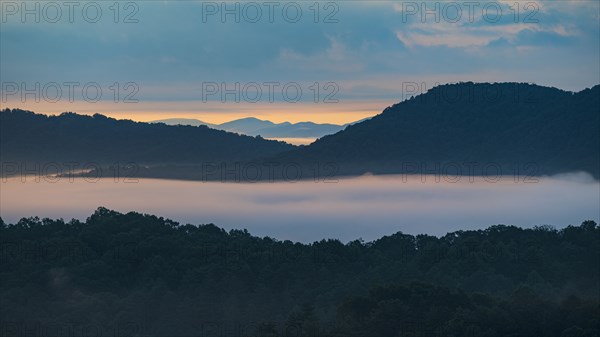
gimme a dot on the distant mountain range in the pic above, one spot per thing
(185, 121)
(464, 129)
(256, 127)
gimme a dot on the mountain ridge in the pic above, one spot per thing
(27, 136)
(253, 126)
(499, 123)
(504, 128)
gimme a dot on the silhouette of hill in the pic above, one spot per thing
(510, 126)
(142, 275)
(455, 129)
(185, 121)
(26, 136)
(253, 126)
(249, 125)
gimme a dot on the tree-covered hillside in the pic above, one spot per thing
(140, 275)
(483, 129)
(26, 136)
(471, 126)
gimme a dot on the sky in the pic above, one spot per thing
(330, 61)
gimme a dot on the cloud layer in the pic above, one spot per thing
(368, 49)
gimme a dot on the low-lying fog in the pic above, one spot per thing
(365, 207)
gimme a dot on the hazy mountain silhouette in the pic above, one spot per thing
(520, 128)
(185, 121)
(27, 136)
(505, 124)
(254, 127)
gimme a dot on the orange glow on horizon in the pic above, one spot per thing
(215, 113)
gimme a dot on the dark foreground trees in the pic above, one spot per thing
(140, 275)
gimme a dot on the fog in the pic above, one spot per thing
(365, 207)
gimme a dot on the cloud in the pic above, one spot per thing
(171, 51)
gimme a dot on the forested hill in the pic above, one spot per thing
(504, 124)
(140, 275)
(26, 136)
(459, 129)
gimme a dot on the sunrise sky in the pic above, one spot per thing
(169, 55)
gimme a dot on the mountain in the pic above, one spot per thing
(26, 136)
(254, 127)
(455, 129)
(356, 122)
(185, 121)
(248, 126)
(500, 127)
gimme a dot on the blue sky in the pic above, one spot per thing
(366, 51)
